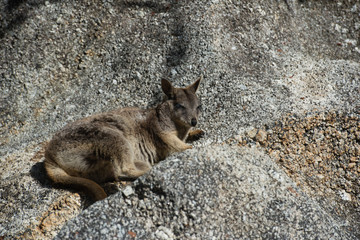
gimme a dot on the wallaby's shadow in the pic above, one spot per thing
(38, 172)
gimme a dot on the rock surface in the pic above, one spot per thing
(62, 60)
(217, 193)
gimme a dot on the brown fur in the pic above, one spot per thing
(123, 143)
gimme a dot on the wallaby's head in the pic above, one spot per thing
(184, 105)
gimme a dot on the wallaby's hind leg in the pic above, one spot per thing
(134, 170)
(126, 166)
(58, 175)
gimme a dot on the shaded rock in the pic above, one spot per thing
(222, 192)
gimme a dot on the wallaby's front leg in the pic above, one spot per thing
(171, 139)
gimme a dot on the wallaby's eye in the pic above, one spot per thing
(178, 106)
(199, 108)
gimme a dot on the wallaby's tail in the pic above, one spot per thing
(58, 175)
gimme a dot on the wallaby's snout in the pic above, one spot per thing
(193, 122)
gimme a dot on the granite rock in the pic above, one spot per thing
(261, 60)
(209, 193)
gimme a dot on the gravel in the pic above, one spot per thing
(320, 152)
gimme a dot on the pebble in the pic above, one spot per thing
(261, 136)
(344, 195)
(164, 233)
(252, 133)
(128, 191)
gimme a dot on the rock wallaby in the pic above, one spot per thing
(123, 143)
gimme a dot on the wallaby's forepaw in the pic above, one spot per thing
(195, 135)
(188, 147)
(196, 132)
(183, 147)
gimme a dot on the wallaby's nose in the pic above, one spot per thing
(193, 122)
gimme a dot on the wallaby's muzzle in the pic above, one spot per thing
(193, 122)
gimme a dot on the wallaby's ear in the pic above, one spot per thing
(167, 88)
(194, 87)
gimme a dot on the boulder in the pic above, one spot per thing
(221, 192)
